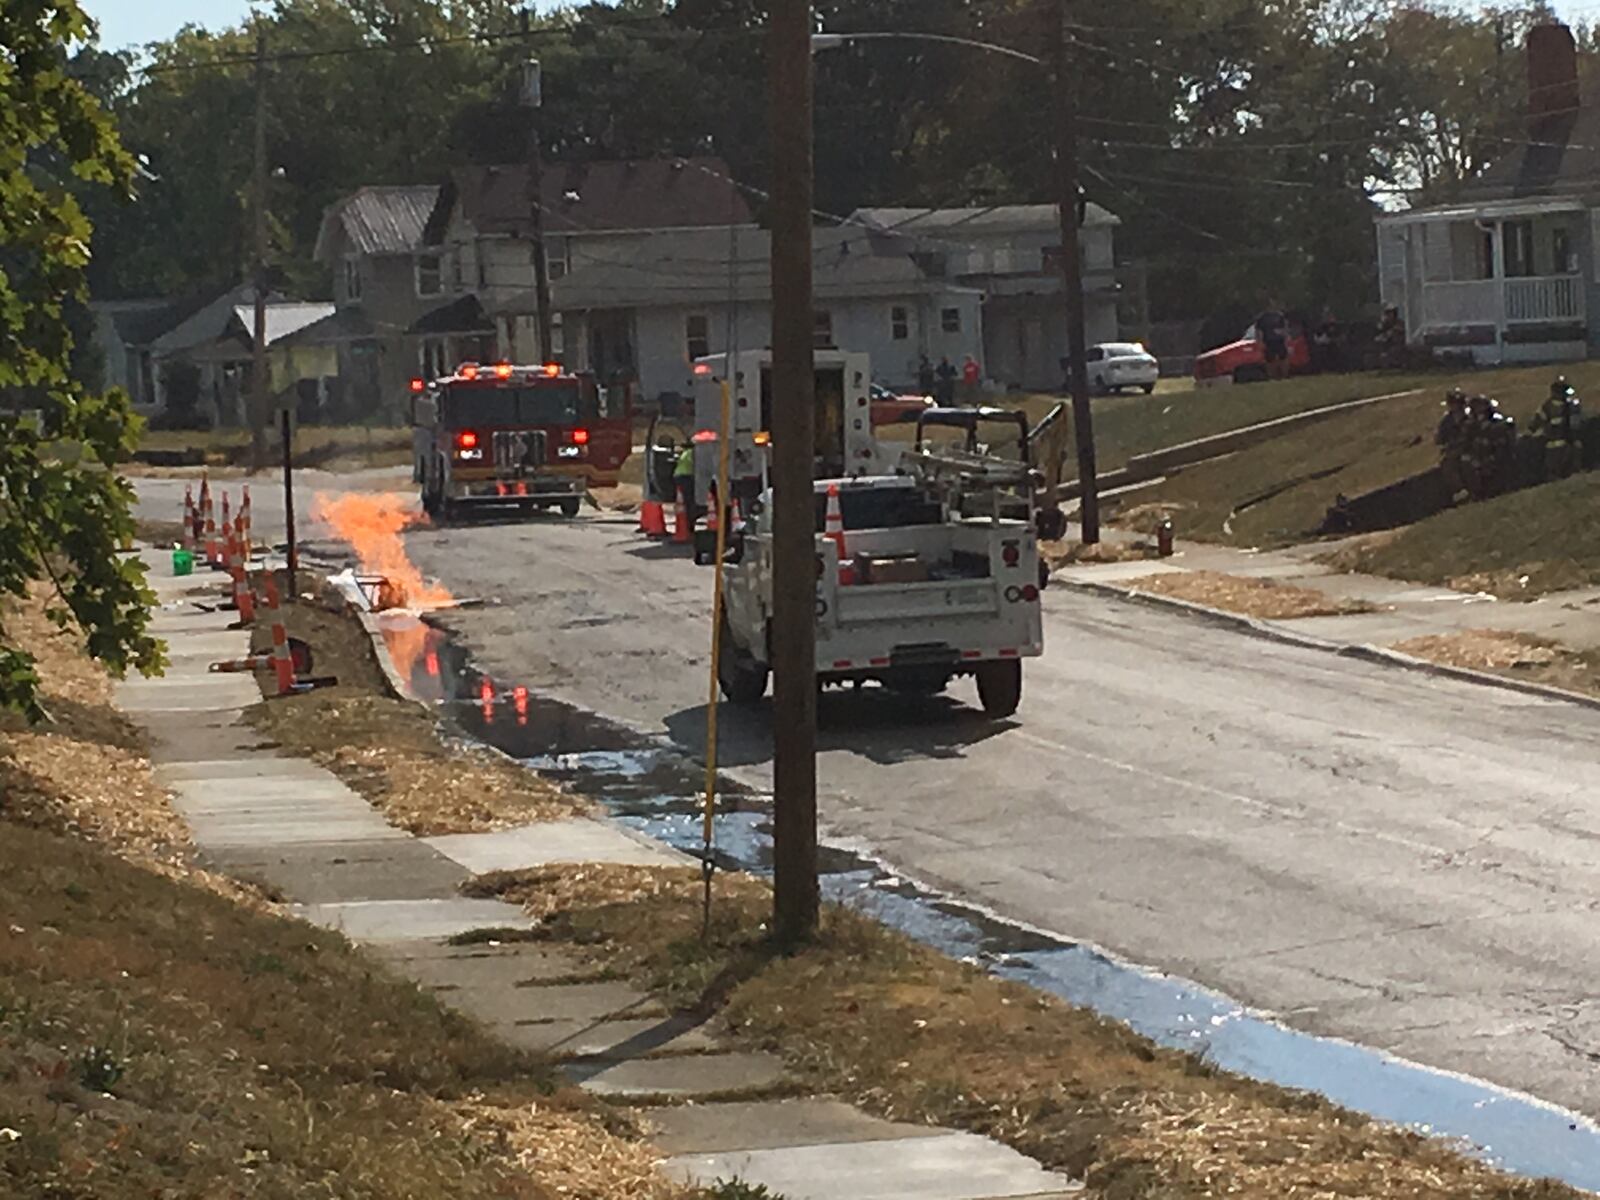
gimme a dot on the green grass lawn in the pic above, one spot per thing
(1276, 494)
(314, 445)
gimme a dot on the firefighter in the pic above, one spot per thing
(1451, 438)
(1556, 426)
(1491, 448)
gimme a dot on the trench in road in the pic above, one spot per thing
(651, 785)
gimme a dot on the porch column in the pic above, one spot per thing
(1500, 290)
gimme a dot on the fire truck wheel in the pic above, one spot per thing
(569, 507)
(1000, 687)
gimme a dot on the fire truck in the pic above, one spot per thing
(531, 436)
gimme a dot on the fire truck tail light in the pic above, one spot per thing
(580, 437)
(417, 385)
(467, 440)
(502, 370)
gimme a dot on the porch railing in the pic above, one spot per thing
(1532, 300)
(1554, 298)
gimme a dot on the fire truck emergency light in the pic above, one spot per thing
(502, 370)
(552, 369)
(417, 385)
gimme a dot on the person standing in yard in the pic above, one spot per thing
(1272, 327)
(971, 380)
(925, 379)
(1556, 426)
(1451, 438)
(944, 390)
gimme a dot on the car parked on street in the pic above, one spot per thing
(1245, 361)
(1114, 366)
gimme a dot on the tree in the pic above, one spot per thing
(64, 513)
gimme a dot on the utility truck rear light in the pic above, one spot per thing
(1010, 554)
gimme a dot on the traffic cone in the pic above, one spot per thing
(213, 547)
(652, 519)
(187, 541)
(682, 523)
(713, 510)
(833, 531)
(243, 598)
(282, 664)
(244, 524)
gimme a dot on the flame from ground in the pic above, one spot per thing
(372, 525)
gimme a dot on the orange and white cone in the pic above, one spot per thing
(713, 510)
(187, 540)
(244, 524)
(213, 547)
(682, 524)
(833, 531)
(282, 664)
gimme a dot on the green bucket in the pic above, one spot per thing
(182, 561)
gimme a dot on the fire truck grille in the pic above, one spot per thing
(519, 452)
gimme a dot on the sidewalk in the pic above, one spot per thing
(719, 1112)
(1399, 611)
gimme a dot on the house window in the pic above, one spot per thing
(950, 320)
(1562, 251)
(822, 329)
(558, 338)
(352, 279)
(430, 276)
(432, 358)
(900, 323)
(697, 332)
(458, 270)
(555, 258)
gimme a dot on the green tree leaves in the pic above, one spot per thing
(64, 513)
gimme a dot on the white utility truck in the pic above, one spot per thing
(940, 578)
(845, 446)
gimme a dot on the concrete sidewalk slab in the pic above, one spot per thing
(950, 1166)
(340, 872)
(230, 771)
(578, 840)
(208, 693)
(509, 965)
(680, 1078)
(405, 920)
(771, 1125)
(513, 1004)
(626, 1039)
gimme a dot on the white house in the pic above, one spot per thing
(647, 308)
(1011, 253)
(1508, 271)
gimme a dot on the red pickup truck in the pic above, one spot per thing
(1245, 361)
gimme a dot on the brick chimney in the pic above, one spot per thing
(1552, 72)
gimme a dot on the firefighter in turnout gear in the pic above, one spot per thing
(1451, 438)
(1556, 426)
(1491, 448)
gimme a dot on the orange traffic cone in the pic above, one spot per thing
(652, 519)
(187, 541)
(833, 531)
(244, 524)
(713, 510)
(682, 523)
(282, 664)
(213, 547)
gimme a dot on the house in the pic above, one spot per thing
(1012, 254)
(418, 270)
(1509, 270)
(650, 308)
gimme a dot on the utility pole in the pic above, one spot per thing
(533, 101)
(794, 530)
(1068, 201)
(259, 406)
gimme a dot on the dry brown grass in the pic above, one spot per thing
(1071, 554)
(1484, 650)
(1262, 598)
(391, 751)
(912, 1035)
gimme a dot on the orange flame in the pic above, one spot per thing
(372, 525)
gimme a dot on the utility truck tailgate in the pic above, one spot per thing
(916, 601)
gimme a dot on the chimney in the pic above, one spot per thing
(1552, 72)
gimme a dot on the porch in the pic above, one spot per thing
(1502, 283)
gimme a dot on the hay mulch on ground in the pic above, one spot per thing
(86, 771)
(1265, 599)
(624, 498)
(912, 1035)
(1073, 554)
(1146, 518)
(1484, 650)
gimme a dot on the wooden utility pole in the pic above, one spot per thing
(533, 101)
(794, 530)
(1069, 200)
(260, 404)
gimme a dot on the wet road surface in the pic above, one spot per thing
(1375, 854)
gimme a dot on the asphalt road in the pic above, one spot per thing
(1409, 862)
(1404, 861)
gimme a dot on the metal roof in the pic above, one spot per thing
(282, 319)
(379, 220)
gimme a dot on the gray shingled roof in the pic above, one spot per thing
(379, 220)
(1000, 218)
(692, 267)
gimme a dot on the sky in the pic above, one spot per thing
(131, 22)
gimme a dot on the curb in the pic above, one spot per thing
(1365, 652)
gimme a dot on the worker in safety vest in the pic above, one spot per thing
(683, 476)
(1556, 426)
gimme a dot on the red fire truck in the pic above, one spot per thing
(535, 437)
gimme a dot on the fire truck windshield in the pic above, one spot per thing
(558, 402)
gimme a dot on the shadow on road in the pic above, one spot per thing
(880, 726)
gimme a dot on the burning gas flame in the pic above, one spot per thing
(372, 525)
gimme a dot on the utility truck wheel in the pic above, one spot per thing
(1000, 687)
(569, 507)
(742, 679)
